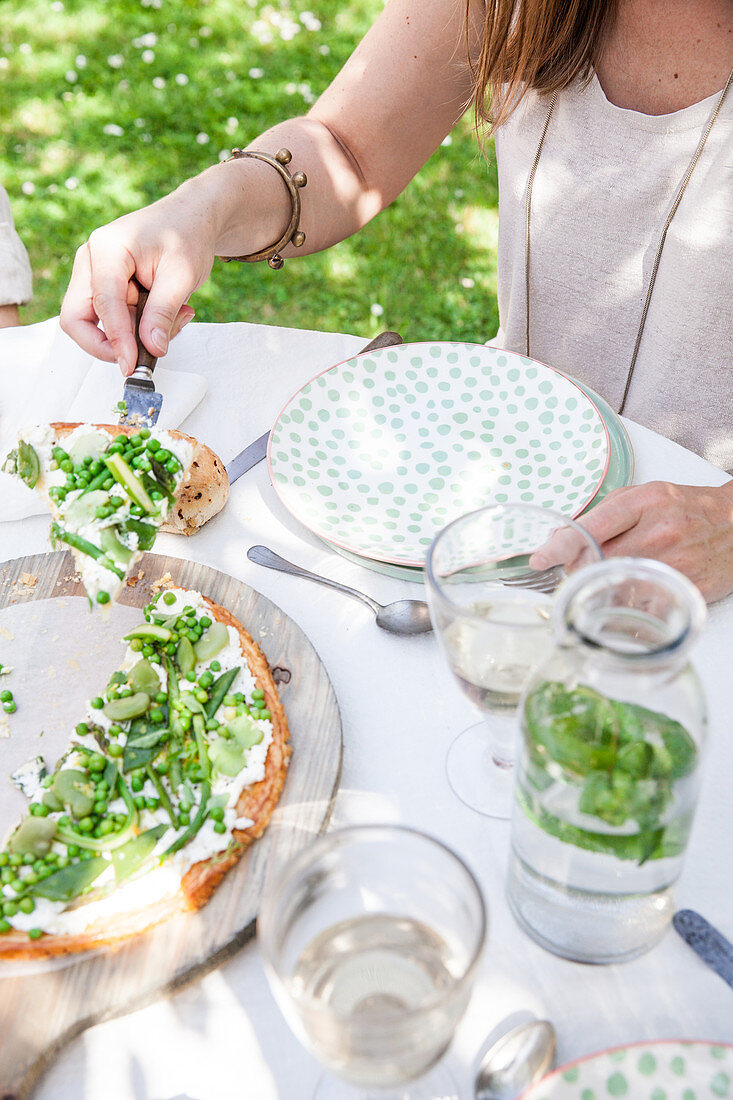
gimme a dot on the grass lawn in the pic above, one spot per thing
(108, 104)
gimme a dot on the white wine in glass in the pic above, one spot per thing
(492, 612)
(371, 964)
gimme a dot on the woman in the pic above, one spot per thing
(608, 157)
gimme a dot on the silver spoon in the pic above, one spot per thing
(516, 1060)
(400, 617)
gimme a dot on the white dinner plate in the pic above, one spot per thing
(378, 453)
(664, 1070)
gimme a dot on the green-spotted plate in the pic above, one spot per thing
(664, 1070)
(380, 452)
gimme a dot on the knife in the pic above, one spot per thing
(141, 399)
(712, 947)
(256, 451)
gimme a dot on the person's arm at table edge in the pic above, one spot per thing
(396, 98)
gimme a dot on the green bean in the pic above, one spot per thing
(78, 543)
(219, 689)
(201, 815)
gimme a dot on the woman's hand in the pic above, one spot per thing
(170, 248)
(689, 527)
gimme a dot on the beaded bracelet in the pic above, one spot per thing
(292, 234)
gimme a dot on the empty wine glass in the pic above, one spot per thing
(491, 611)
(371, 938)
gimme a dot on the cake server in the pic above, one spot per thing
(142, 401)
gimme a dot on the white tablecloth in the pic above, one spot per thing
(223, 1036)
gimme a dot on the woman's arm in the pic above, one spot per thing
(389, 108)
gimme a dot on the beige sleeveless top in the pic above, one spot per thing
(604, 186)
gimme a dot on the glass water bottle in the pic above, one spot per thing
(612, 732)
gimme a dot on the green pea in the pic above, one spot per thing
(115, 751)
(102, 597)
(5, 696)
(96, 762)
(10, 909)
(136, 645)
(169, 597)
(139, 800)
(3, 859)
(26, 905)
(217, 814)
(258, 693)
(10, 708)
(136, 783)
(5, 926)
(219, 827)
(151, 803)
(215, 666)
(86, 825)
(97, 703)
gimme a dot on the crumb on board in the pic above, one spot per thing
(4, 727)
(51, 672)
(166, 581)
(30, 580)
(132, 581)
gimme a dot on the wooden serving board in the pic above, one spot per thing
(45, 622)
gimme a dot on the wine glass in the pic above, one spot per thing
(491, 610)
(371, 939)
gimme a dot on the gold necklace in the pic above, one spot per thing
(655, 267)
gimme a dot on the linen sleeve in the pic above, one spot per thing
(16, 279)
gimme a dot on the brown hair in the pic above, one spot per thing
(542, 45)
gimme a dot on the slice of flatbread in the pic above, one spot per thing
(110, 489)
(144, 815)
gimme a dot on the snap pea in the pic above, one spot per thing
(122, 473)
(185, 656)
(127, 859)
(107, 843)
(148, 631)
(219, 689)
(69, 882)
(162, 794)
(111, 545)
(28, 465)
(78, 543)
(201, 815)
(145, 532)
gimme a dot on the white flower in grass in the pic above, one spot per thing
(202, 139)
(458, 192)
(52, 189)
(115, 61)
(25, 47)
(447, 140)
(231, 125)
(80, 61)
(70, 77)
(309, 21)
(158, 82)
(148, 56)
(224, 154)
(28, 187)
(255, 74)
(324, 49)
(67, 96)
(4, 63)
(57, 5)
(113, 129)
(145, 40)
(376, 310)
(467, 283)
(139, 122)
(71, 183)
(145, 139)
(290, 88)
(205, 32)
(181, 79)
